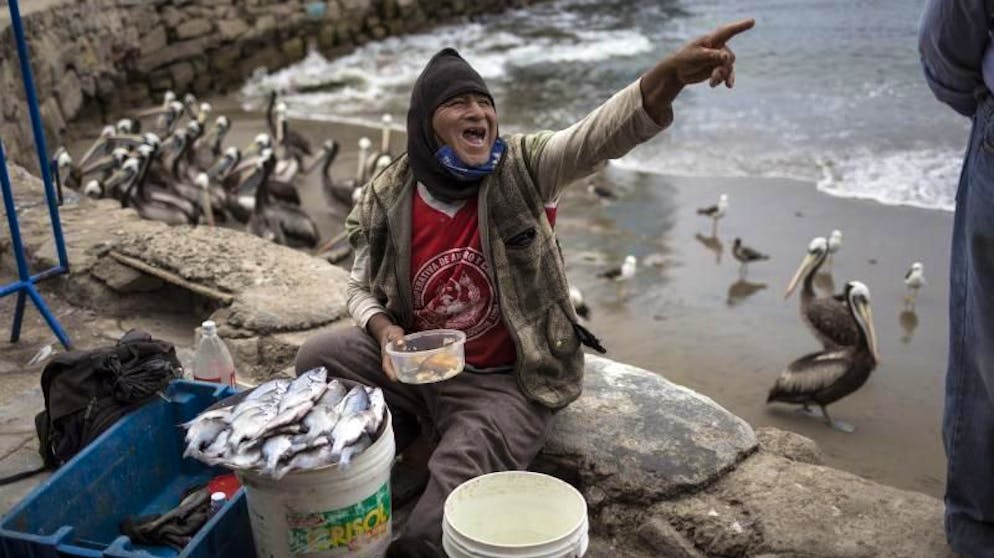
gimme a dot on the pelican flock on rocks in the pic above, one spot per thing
(174, 167)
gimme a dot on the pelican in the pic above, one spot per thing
(576, 298)
(827, 317)
(914, 279)
(825, 377)
(745, 254)
(623, 273)
(277, 221)
(715, 212)
(380, 160)
(294, 144)
(222, 167)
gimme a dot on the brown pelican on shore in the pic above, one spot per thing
(223, 166)
(128, 126)
(381, 159)
(826, 376)
(827, 317)
(158, 205)
(99, 146)
(295, 145)
(914, 280)
(208, 147)
(715, 212)
(746, 255)
(274, 220)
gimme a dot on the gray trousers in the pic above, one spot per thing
(481, 423)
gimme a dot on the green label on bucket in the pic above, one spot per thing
(349, 528)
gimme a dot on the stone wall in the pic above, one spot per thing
(91, 58)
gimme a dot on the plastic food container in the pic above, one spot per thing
(428, 356)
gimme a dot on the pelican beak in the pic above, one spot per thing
(863, 308)
(802, 270)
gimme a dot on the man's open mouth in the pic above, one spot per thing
(475, 136)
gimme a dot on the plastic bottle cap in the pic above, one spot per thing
(209, 327)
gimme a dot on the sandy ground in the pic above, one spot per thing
(689, 314)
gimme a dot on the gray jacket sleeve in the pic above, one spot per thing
(361, 303)
(608, 132)
(952, 40)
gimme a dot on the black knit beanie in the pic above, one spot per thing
(445, 76)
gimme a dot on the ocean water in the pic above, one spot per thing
(826, 92)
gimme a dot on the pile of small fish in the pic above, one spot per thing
(285, 426)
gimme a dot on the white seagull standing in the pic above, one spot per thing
(715, 212)
(914, 279)
(623, 273)
(834, 243)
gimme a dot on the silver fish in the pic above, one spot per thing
(347, 432)
(267, 388)
(355, 449)
(355, 402)
(273, 450)
(308, 387)
(202, 433)
(377, 407)
(218, 447)
(251, 424)
(306, 460)
(334, 394)
(319, 421)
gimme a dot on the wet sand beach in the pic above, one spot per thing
(689, 315)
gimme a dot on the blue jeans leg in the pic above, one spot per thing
(968, 421)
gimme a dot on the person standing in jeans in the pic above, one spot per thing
(958, 60)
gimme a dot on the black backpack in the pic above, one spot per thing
(86, 392)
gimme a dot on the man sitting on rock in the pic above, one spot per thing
(458, 234)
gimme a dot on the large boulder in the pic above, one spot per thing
(633, 435)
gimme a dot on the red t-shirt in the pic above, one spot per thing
(451, 284)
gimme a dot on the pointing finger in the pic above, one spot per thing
(723, 34)
(717, 76)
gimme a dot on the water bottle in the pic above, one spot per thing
(212, 361)
(218, 499)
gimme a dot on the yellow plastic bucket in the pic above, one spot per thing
(515, 514)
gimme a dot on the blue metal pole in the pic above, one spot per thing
(39, 132)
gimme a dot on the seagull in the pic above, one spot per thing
(623, 273)
(914, 279)
(605, 194)
(745, 254)
(581, 308)
(834, 243)
(715, 212)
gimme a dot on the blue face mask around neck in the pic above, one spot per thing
(466, 173)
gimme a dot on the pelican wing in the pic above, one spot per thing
(831, 321)
(810, 374)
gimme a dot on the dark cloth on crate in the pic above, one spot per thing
(173, 528)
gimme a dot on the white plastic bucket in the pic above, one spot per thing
(325, 512)
(515, 514)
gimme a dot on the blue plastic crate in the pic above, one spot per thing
(134, 468)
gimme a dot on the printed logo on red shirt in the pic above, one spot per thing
(453, 290)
